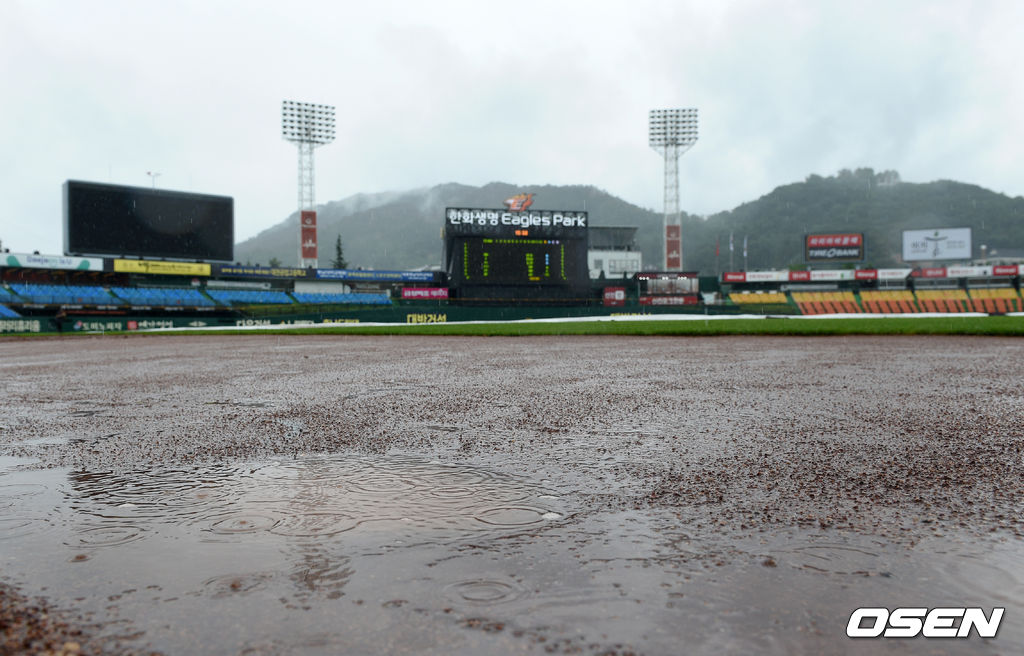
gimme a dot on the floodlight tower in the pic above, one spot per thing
(308, 126)
(672, 133)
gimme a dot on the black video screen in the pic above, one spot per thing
(518, 261)
(116, 220)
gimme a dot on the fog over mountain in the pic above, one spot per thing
(402, 230)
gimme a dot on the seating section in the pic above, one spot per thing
(64, 294)
(996, 301)
(163, 296)
(249, 297)
(8, 313)
(52, 294)
(888, 302)
(827, 302)
(943, 300)
(8, 296)
(990, 301)
(342, 299)
(755, 298)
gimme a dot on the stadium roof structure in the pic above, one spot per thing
(612, 238)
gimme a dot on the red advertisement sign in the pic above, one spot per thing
(668, 300)
(848, 247)
(1004, 270)
(735, 276)
(430, 293)
(932, 272)
(866, 274)
(308, 234)
(673, 247)
(800, 276)
(614, 296)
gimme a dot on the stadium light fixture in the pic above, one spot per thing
(308, 126)
(672, 133)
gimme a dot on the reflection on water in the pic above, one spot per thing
(359, 555)
(285, 536)
(410, 499)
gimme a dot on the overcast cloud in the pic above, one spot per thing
(475, 92)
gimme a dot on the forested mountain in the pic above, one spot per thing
(402, 230)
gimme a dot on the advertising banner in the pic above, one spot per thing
(614, 296)
(309, 249)
(428, 293)
(160, 267)
(673, 247)
(242, 271)
(668, 300)
(734, 276)
(967, 272)
(21, 325)
(375, 276)
(32, 261)
(1005, 270)
(842, 247)
(940, 244)
(767, 276)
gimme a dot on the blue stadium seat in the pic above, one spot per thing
(346, 299)
(249, 297)
(64, 294)
(8, 313)
(163, 296)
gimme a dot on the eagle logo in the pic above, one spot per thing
(519, 202)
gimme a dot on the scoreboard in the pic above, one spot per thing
(534, 248)
(515, 261)
(114, 220)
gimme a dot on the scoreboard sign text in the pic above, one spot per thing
(486, 222)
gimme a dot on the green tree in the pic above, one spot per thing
(339, 257)
(274, 262)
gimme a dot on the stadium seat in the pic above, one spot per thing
(943, 300)
(249, 297)
(53, 294)
(163, 296)
(999, 300)
(826, 302)
(342, 299)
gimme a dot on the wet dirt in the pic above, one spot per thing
(367, 495)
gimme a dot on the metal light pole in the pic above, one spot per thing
(153, 176)
(308, 126)
(672, 133)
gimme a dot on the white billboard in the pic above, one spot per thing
(940, 244)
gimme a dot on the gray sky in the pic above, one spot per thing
(554, 92)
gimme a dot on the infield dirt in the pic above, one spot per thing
(343, 494)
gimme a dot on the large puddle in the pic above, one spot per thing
(360, 555)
